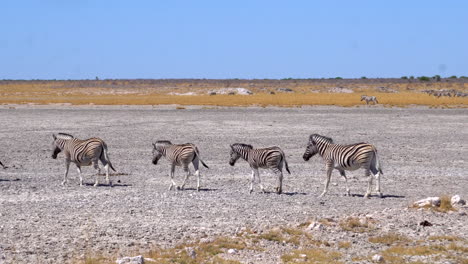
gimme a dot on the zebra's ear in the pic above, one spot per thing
(154, 145)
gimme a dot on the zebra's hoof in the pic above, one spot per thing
(178, 188)
(198, 189)
(96, 184)
(380, 194)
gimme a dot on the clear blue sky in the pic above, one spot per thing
(82, 39)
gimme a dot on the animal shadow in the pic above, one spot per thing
(10, 180)
(383, 196)
(201, 189)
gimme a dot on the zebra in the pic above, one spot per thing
(369, 99)
(82, 153)
(178, 155)
(345, 157)
(267, 158)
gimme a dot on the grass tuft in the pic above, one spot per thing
(315, 255)
(389, 239)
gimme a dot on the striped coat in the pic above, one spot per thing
(345, 157)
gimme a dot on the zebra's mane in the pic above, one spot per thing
(317, 137)
(242, 145)
(64, 136)
(163, 142)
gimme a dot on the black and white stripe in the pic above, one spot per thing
(178, 155)
(267, 158)
(345, 157)
(369, 99)
(82, 153)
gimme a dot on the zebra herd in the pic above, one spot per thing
(448, 93)
(336, 156)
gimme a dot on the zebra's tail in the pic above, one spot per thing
(106, 156)
(199, 158)
(285, 162)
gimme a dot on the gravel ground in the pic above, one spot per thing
(423, 152)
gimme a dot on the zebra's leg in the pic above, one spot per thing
(96, 166)
(376, 173)
(279, 188)
(67, 167)
(187, 175)
(252, 181)
(260, 181)
(329, 172)
(342, 172)
(369, 185)
(106, 168)
(197, 172)
(78, 167)
(172, 177)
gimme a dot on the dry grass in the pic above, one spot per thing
(389, 239)
(452, 251)
(445, 238)
(354, 224)
(344, 244)
(312, 256)
(306, 93)
(445, 205)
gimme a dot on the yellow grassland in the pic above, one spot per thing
(304, 94)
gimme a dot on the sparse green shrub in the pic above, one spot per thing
(453, 77)
(404, 77)
(424, 78)
(436, 78)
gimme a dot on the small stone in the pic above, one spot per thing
(232, 251)
(131, 260)
(314, 226)
(457, 200)
(191, 252)
(425, 223)
(432, 201)
(377, 258)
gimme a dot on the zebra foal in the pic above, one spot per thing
(178, 155)
(345, 157)
(267, 158)
(369, 99)
(82, 153)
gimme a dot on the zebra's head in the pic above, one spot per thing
(238, 150)
(363, 97)
(158, 150)
(57, 144)
(313, 145)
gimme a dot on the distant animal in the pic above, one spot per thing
(178, 155)
(345, 157)
(82, 153)
(271, 158)
(369, 99)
